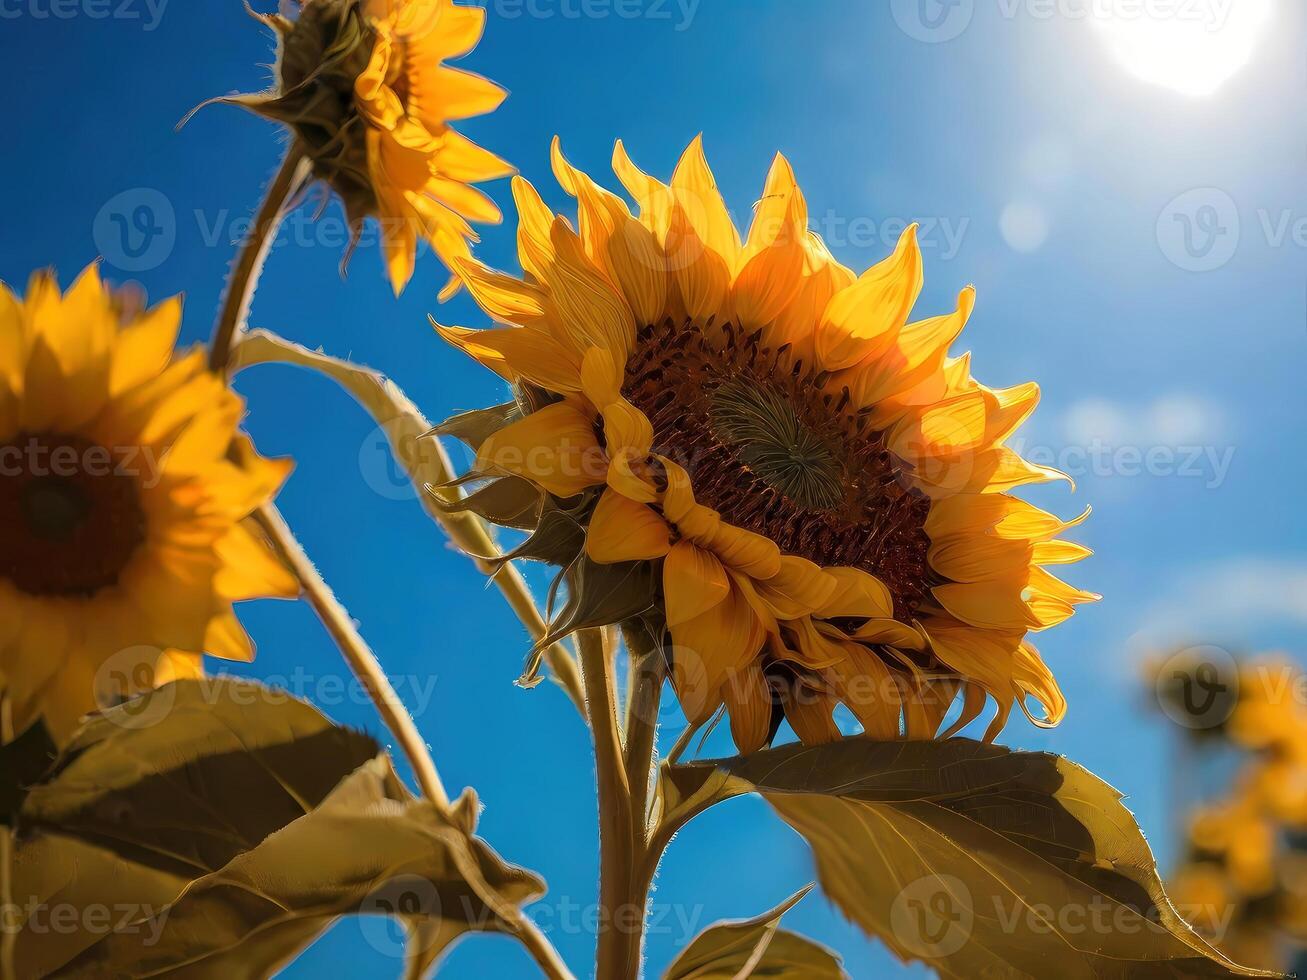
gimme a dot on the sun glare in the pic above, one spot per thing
(1191, 46)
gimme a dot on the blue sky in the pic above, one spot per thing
(1042, 171)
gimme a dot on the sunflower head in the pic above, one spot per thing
(752, 444)
(363, 87)
(124, 484)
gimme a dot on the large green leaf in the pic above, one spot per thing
(755, 947)
(215, 828)
(977, 860)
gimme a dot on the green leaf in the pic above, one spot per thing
(755, 948)
(974, 859)
(215, 828)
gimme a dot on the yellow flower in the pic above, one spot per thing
(363, 86)
(819, 483)
(123, 485)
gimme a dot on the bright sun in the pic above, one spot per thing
(1192, 46)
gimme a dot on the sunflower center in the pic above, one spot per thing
(771, 447)
(72, 519)
(774, 443)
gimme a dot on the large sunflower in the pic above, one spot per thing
(819, 487)
(123, 485)
(362, 84)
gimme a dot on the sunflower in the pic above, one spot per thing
(123, 486)
(818, 488)
(362, 85)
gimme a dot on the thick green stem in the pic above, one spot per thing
(618, 953)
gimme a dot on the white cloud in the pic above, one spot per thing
(1178, 419)
(1227, 600)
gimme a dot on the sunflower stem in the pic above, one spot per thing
(232, 321)
(647, 671)
(367, 668)
(248, 265)
(621, 918)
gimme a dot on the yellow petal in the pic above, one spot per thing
(748, 702)
(919, 351)
(694, 581)
(809, 713)
(518, 352)
(623, 530)
(996, 605)
(502, 296)
(745, 551)
(250, 570)
(590, 306)
(555, 448)
(226, 638)
(144, 348)
(696, 192)
(857, 595)
(865, 685)
(866, 317)
(799, 589)
(708, 648)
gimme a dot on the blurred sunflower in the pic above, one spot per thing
(123, 485)
(362, 85)
(818, 486)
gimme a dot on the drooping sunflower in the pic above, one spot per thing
(814, 490)
(123, 486)
(363, 85)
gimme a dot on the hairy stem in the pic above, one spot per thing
(620, 845)
(367, 668)
(248, 265)
(647, 672)
(357, 653)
